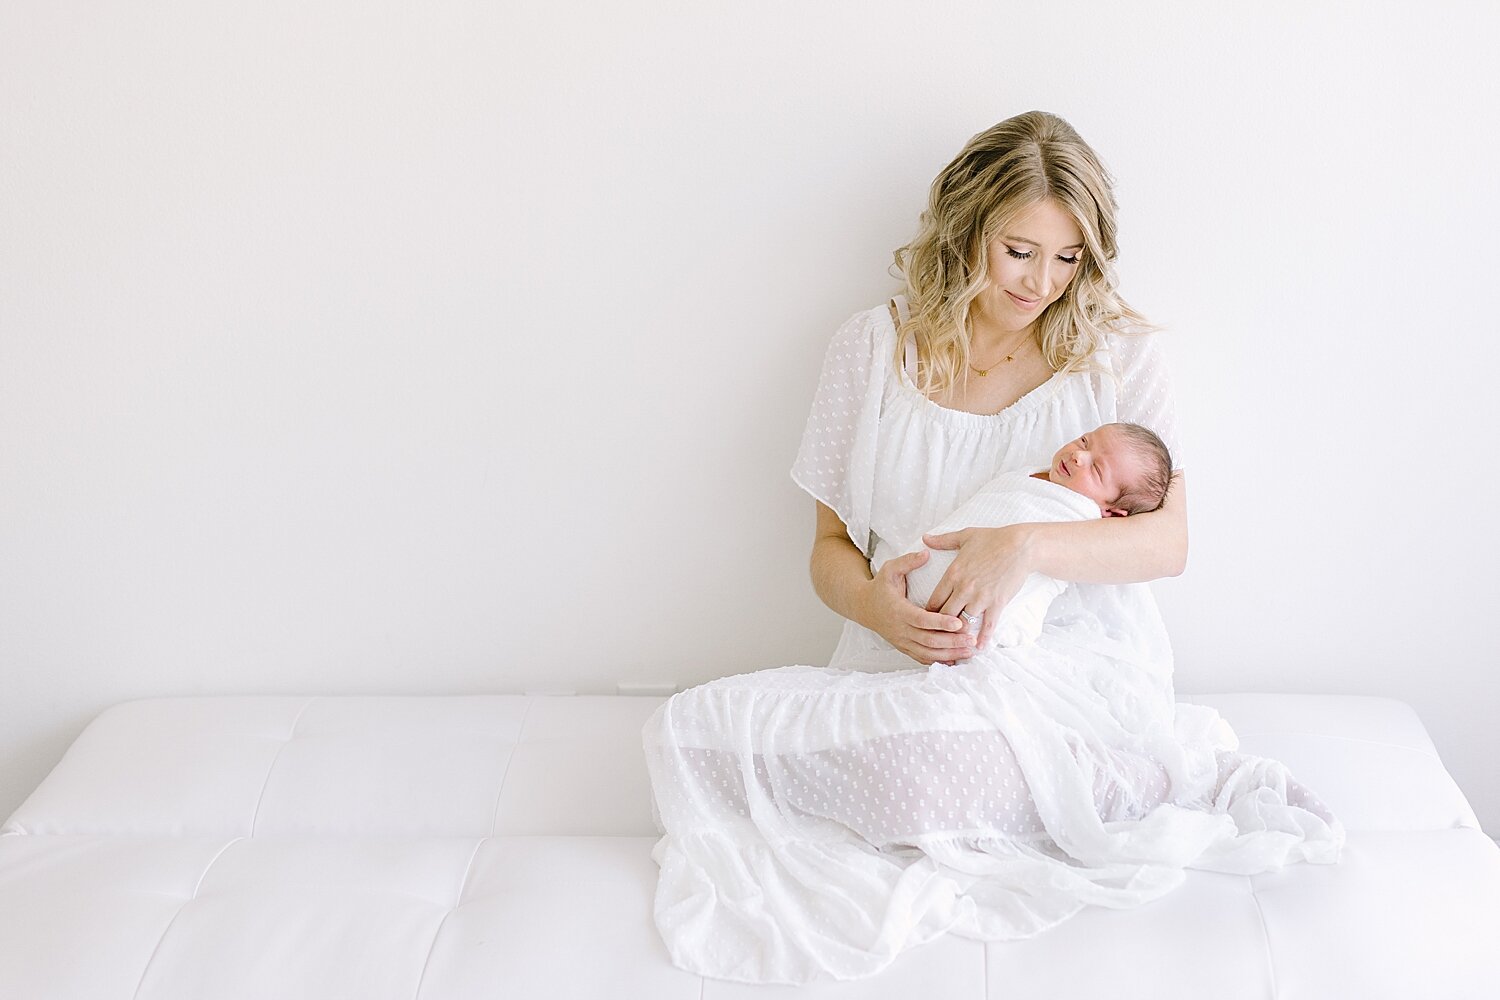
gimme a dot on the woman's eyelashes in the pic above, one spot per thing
(1027, 254)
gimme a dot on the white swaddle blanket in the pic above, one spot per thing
(1011, 498)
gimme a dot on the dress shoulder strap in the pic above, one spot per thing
(899, 316)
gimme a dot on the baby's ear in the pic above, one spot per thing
(1115, 512)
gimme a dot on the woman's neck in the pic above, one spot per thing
(985, 337)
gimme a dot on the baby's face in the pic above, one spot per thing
(1100, 464)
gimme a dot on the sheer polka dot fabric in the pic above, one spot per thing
(835, 461)
(817, 822)
(1144, 390)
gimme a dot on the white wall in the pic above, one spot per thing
(446, 347)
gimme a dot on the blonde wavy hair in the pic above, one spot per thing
(1000, 173)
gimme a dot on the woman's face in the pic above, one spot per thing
(1031, 263)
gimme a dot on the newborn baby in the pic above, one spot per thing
(1112, 471)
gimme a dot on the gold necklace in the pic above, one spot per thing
(981, 372)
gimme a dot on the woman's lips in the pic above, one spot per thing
(1027, 304)
(1064, 467)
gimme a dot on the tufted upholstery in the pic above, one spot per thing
(466, 847)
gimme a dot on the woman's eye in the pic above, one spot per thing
(1018, 254)
(1070, 260)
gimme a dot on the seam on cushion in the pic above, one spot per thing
(458, 901)
(500, 792)
(1265, 936)
(255, 816)
(173, 922)
(1346, 739)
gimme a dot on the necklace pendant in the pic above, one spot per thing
(982, 374)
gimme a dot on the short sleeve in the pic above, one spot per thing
(836, 461)
(1144, 388)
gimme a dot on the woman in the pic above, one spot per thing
(818, 821)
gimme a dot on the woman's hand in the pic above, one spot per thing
(921, 634)
(987, 572)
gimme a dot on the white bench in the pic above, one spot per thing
(437, 848)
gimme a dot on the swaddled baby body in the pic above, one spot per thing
(1115, 470)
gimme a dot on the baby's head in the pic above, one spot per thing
(1124, 468)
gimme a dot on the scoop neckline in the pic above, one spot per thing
(1026, 401)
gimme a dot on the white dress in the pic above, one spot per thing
(817, 821)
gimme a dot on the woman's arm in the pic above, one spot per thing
(992, 563)
(1118, 549)
(841, 576)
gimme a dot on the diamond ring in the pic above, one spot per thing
(971, 619)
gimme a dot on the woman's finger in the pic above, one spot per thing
(904, 564)
(947, 540)
(944, 642)
(923, 655)
(949, 585)
(941, 592)
(958, 602)
(931, 621)
(974, 629)
(946, 656)
(988, 628)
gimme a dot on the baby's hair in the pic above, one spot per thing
(1149, 491)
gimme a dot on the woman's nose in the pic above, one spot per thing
(1039, 279)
